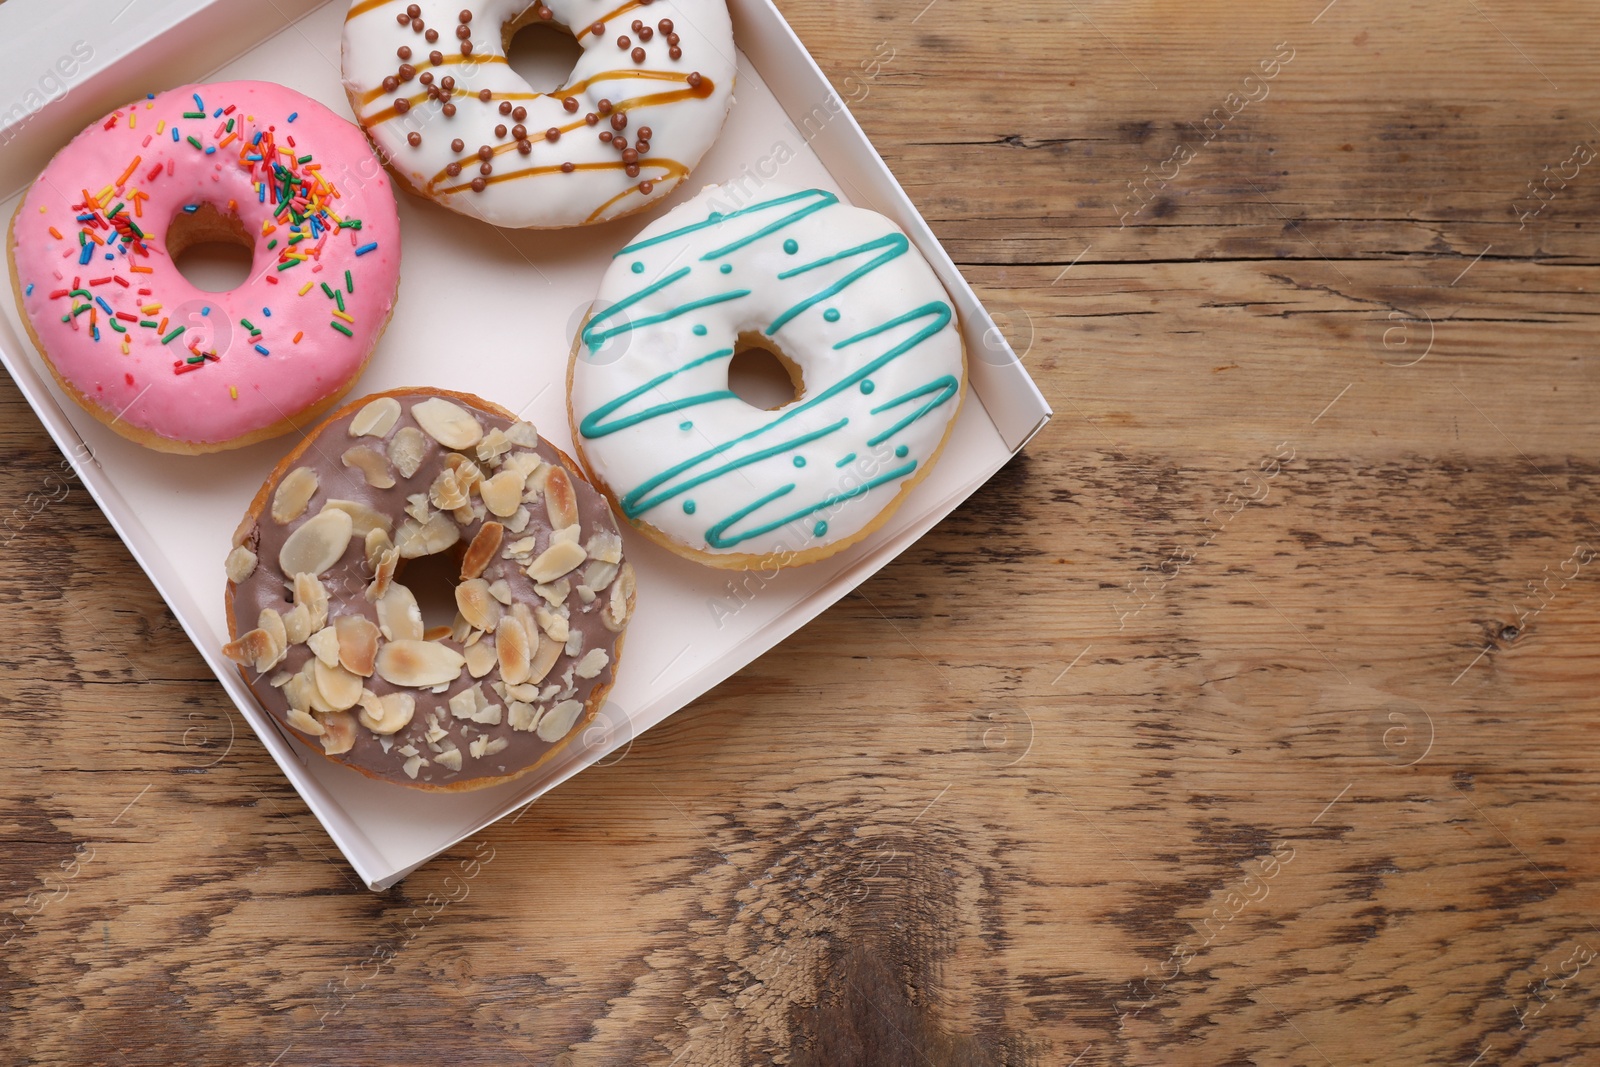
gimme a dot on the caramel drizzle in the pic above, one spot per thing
(705, 89)
(363, 7)
(670, 168)
(372, 94)
(560, 94)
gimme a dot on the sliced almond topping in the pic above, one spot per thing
(598, 574)
(494, 445)
(338, 687)
(289, 500)
(544, 658)
(560, 500)
(593, 662)
(389, 713)
(310, 592)
(467, 473)
(567, 533)
(439, 633)
(303, 722)
(554, 626)
(501, 591)
(502, 494)
(513, 643)
(614, 616)
(363, 519)
(481, 610)
(316, 544)
(605, 546)
(446, 493)
(435, 535)
(559, 719)
(297, 624)
(407, 449)
(484, 745)
(450, 424)
(479, 554)
(399, 618)
(376, 419)
(358, 643)
(418, 508)
(481, 659)
(518, 520)
(523, 433)
(241, 564)
(418, 664)
(324, 644)
(522, 716)
(555, 561)
(460, 629)
(270, 621)
(383, 573)
(341, 733)
(450, 757)
(308, 678)
(255, 648)
(372, 465)
(377, 543)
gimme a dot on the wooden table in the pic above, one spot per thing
(1248, 717)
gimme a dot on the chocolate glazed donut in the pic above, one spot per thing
(331, 639)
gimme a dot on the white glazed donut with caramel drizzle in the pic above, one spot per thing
(430, 84)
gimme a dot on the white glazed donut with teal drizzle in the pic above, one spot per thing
(845, 299)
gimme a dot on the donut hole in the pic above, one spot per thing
(432, 580)
(762, 375)
(542, 53)
(210, 248)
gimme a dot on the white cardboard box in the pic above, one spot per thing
(694, 626)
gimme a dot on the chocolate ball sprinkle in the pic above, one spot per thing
(546, 14)
(647, 187)
(598, 29)
(426, 77)
(637, 25)
(519, 113)
(452, 169)
(464, 33)
(665, 25)
(500, 130)
(401, 105)
(486, 169)
(457, 145)
(624, 42)
(431, 36)
(404, 52)
(485, 153)
(675, 52)
(436, 57)
(505, 107)
(645, 133)
(630, 156)
(465, 16)
(413, 10)
(479, 185)
(449, 111)
(413, 139)
(552, 134)
(672, 38)
(591, 118)
(568, 168)
(403, 18)
(448, 82)
(632, 170)
(643, 147)
(619, 121)
(391, 83)
(519, 132)
(407, 72)
(638, 55)
(466, 48)
(645, 33)
(570, 103)
(604, 107)
(606, 135)
(416, 25)
(525, 147)
(694, 79)
(485, 95)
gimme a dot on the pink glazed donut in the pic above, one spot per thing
(93, 248)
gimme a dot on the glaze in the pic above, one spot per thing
(839, 291)
(137, 343)
(430, 84)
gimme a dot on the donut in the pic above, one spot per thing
(397, 500)
(854, 313)
(94, 244)
(430, 84)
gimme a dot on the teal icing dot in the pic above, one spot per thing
(832, 314)
(688, 507)
(799, 461)
(901, 451)
(699, 331)
(820, 528)
(727, 268)
(638, 268)
(867, 386)
(791, 246)
(685, 425)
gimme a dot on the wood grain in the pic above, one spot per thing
(1249, 717)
